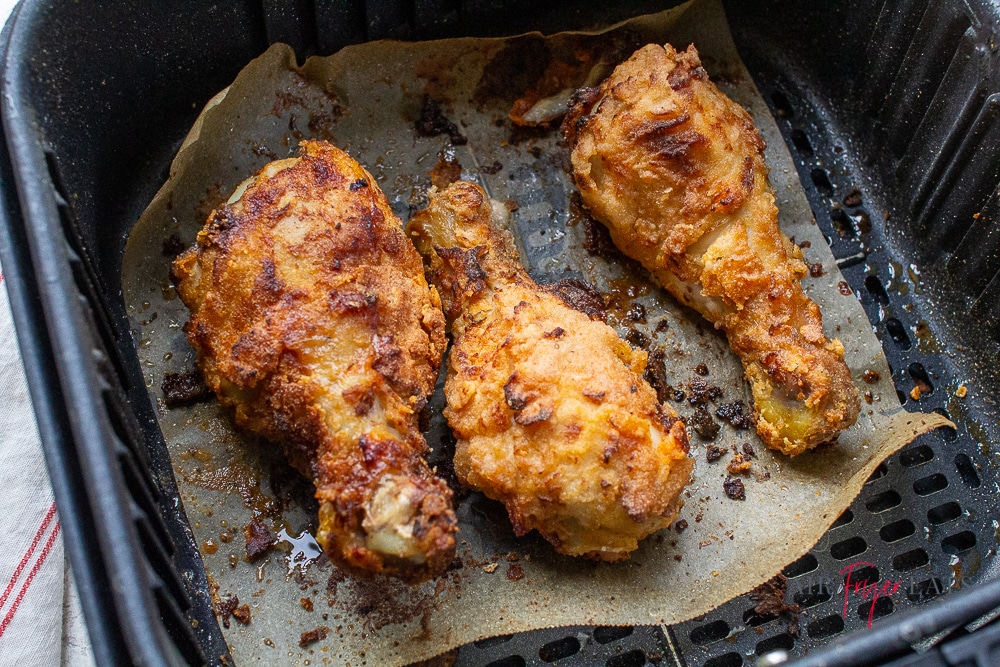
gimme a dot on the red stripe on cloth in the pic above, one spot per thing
(27, 555)
(31, 576)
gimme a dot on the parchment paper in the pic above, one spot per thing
(366, 99)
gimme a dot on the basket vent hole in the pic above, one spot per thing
(864, 576)
(605, 634)
(783, 105)
(821, 181)
(910, 560)
(901, 395)
(559, 649)
(843, 519)
(842, 222)
(897, 530)
(915, 456)
(802, 566)
(492, 641)
(753, 619)
(883, 502)
(848, 548)
(812, 595)
(881, 471)
(958, 543)
(925, 590)
(897, 332)
(801, 141)
(731, 659)
(925, 486)
(826, 627)
(710, 632)
(874, 287)
(967, 471)
(919, 376)
(883, 606)
(509, 661)
(633, 658)
(782, 642)
(947, 433)
(944, 513)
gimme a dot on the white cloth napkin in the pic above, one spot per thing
(40, 618)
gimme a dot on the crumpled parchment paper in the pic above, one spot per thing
(366, 99)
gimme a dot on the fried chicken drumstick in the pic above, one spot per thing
(312, 319)
(675, 170)
(549, 408)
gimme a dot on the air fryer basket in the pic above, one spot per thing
(891, 112)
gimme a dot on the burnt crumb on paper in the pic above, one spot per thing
(701, 392)
(433, 122)
(515, 572)
(383, 601)
(736, 414)
(681, 525)
(172, 246)
(579, 295)
(317, 634)
(259, 539)
(224, 609)
(306, 603)
(637, 339)
(231, 607)
(597, 240)
(490, 169)
(656, 375)
(748, 450)
(180, 389)
(703, 424)
(713, 453)
(734, 488)
(770, 599)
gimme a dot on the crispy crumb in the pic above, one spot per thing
(318, 633)
(259, 539)
(306, 603)
(515, 572)
(738, 465)
(962, 391)
(181, 389)
(225, 608)
(915, 393)
(242, 614)
(490, 568)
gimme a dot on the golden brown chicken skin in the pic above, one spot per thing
(549, 409)
(312, 319)
(675, 170)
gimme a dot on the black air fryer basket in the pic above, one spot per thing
(892, 113)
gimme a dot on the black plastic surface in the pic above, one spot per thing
(897, 99)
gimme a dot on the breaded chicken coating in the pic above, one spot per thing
(311, 318)
(549, 409)
(675, 170)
